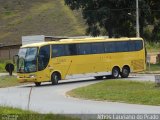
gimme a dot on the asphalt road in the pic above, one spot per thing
(52, 99)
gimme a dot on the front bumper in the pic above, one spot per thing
(26, 78)
(22, 80)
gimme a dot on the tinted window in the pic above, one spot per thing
(135, 45)
(58, 50)
(106, 47)
(139, 45)
(84, 49)
(125, 46)
(71, 49)
(131, 46)
(97, 48)
(118, 47)
(44, 56)
(110, 47)
(121, 46)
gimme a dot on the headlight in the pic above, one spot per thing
(32, 76)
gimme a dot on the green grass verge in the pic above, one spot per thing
(19, 114)
(120, 91)
(10, 110)
(3, 64)
(7, 81)
(153, 67)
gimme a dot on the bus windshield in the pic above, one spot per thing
(27, 60)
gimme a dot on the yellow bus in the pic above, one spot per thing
(75, 58)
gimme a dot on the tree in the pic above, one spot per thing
(155, 9)
(99, 15)
(113, 17)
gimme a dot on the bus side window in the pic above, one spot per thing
(71, 49)
(118, 47)
(139, 45)
(84, 48)
(97, 48)
(125, 46)
(58, 50)
(112, 47)
(122, 46)
(131, 45)
(106, 47)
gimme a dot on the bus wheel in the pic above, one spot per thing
(125, 72)
(55, 78)
(37, 83)
(98, 77)
(115, 72)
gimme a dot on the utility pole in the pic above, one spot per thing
(137, 19)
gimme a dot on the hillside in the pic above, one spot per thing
(37, 17)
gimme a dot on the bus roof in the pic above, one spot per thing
(82, 40)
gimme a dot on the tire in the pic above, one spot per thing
(98, 77)
(55, 78)
(125, 72)
(115, 72)
(37, 83)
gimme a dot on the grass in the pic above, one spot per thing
(120, 91)
(19, 114)
(50, 17)
(3, 64)
(153, 67)
(7, 81)
(10, 110)
(2, 67)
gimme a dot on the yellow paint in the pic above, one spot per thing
(81, 64)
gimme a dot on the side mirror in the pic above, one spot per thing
(15, 58)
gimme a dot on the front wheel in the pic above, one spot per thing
(115, 72)
(55, 78)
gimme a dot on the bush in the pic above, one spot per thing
(3, 64)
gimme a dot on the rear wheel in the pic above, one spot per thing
(125, 72)
(115, 72)
(99, 77)
(55, 78)
(37, 83)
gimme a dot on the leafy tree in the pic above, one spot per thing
(102, 14)
(115, 17)
(155, 9)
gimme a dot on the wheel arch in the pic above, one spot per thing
(57, 72)
(116, 67)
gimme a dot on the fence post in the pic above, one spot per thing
(148, 62)
(157, 80)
